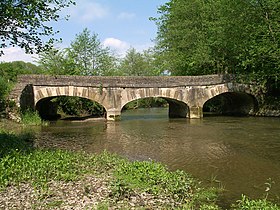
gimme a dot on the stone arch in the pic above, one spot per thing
(48, 109)
(130, 94)
(233, 103)
(93, 94)
(174, 97)
(44, 95)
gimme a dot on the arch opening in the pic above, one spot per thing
(68, 108)
(176, 108)
(231, 103)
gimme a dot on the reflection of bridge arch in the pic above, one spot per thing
(182, 93)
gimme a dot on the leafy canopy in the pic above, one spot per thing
(23, 23)
(85, 56)
(220, 36)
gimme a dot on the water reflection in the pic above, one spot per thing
(242, 153)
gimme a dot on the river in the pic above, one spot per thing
(240, 154)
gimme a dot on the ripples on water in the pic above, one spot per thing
(241, 152)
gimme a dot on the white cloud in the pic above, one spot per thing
(126, 16)
(120, 47)
(86, 11)
(145, 46)
(17, 54)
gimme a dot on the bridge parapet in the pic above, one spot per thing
(124, 81)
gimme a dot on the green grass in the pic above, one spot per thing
(248, 204)
(154, 178)
(20, 162)
(31, 118)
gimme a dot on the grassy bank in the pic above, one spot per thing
(43, 179)
(30, 117)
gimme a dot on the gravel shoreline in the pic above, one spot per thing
(91, 192)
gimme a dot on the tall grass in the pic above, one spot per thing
(248, 204)
(29, 117)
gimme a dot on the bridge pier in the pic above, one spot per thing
(113, 115)
(196, 112)
(177, 109)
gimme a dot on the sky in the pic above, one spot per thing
(119, 24)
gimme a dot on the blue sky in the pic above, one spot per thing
(120, 24)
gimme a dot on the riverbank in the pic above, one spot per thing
(42, 179)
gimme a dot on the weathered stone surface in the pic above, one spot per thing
(185, 94)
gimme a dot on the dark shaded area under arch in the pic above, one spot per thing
(72, 106)
(231, 103)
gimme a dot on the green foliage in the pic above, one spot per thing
(153, 178)
(30, 117)
(78, 106)
(24, 23)
(156, 179)
(20, 162)
(10, 142)
(138, 64)
(89, 56)
(8, 76)
(10, 70)
(146, 103)
(56, 62)
(205, 37)
(37, 166)
(4, 90)
(247, 204)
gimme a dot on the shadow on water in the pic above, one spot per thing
(83, 118)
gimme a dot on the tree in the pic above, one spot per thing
(138, 64)
(57, 62)
(10, 70)
(224, 36)
(8, 76)
(90, 56)
(23, 23)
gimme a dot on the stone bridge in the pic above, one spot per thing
(186, 95)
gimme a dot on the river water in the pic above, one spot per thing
(240, 154)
